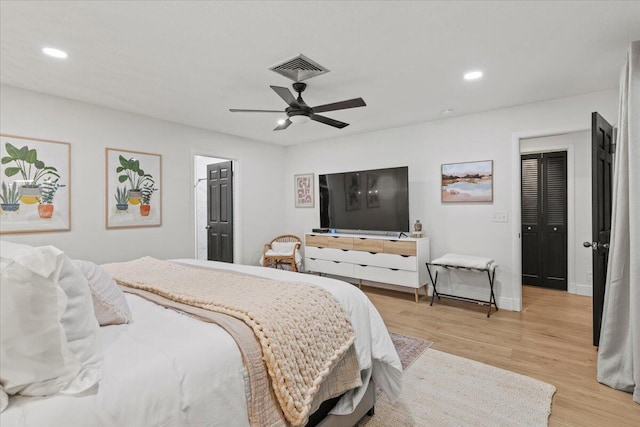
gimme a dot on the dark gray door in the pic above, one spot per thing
(544, 220)
(602, 149)
(220, 212)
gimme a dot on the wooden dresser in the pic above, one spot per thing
(374, 258)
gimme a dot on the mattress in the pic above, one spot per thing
(168, 369)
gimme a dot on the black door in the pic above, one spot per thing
(220, 212)
(544, 220)
(601, 189)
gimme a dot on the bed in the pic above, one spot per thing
(167, 368)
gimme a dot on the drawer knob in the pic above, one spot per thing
(373, 253)
(394, 269)
(344, 250)
(337, 262)
(404, 256)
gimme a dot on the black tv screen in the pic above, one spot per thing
(373, 200)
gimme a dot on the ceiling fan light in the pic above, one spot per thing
(281, 121)
(300, 119)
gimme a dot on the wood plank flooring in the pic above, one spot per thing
(549, 340)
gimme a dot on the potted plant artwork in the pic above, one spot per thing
(130, 171)
(122, 200)
(30, 168)
(10, 197)
(147, 192)
(48, 189)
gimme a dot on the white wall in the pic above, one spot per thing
(578, 147)
(460, 228)
(89, 129)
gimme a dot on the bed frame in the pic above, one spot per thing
(322, 418)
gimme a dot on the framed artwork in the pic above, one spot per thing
(373, 201)
(352, 191)
(304, 190)
(467, 182)
(35, 188)
(133, 189)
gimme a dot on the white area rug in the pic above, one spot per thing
(444, 390)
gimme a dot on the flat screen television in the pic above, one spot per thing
(369, 200)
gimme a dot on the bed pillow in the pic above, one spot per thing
(49, 332)
(109, 304)
(33, 344)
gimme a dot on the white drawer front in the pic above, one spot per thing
(387, 275)
(328, 267)
(385, 260)
(332, 254)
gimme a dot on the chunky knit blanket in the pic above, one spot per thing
(302, 329)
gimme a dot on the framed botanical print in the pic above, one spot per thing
(35, 185)
(133, 189)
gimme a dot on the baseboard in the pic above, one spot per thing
(586, 290)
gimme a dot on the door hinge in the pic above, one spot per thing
(613, 148)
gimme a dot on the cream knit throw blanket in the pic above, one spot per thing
(303, 330)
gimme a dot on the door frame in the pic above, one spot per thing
(516, 208)
(237, 203)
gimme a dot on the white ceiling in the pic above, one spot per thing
(189, 62)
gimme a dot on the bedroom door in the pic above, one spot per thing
(220, 212)
(602, 149)
(544, 220)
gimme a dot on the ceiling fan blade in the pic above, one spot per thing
(342, 105)
(239, 110)
(284, 125)
(286, 94)
(328, 121)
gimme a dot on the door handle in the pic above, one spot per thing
(208, 227)
(595, 245)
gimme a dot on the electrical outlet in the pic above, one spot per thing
(500, 217)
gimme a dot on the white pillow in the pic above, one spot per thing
(49, 334)
(283, 247)
(109, 304)
(33, 345)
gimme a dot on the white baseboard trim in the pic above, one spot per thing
(586, 290)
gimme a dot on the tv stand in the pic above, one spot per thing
(383, 259)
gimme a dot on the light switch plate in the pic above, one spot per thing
(500, 217)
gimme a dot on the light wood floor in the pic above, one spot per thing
(549, 340)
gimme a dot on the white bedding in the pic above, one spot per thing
(167, 369)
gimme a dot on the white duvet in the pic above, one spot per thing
(167, 369)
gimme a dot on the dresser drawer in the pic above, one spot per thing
(386, 275)
(368, 245)
(329, 267)
(375, 259)
(338, 242)
(400, 247)
(329, 254)
(319, 241)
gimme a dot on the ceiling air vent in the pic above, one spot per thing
(299, 68)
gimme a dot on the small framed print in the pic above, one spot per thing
(134, 189)
(304, 190)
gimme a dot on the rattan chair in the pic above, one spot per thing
(274, 256)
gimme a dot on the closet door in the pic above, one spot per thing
(544, 220)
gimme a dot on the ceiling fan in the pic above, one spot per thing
(299, 112)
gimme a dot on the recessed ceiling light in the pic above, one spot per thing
(56, 53)
(473, 75)
(281, 121)
(447, 111)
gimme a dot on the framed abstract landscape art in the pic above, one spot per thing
(35, 185)
(304, 190)
(134, 189)
(467, 182)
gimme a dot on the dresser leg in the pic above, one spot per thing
(416, 295)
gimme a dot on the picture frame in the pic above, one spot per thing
(467, 182)
(35, 188)
(133, 189)
(304, 194)
(352, 191)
